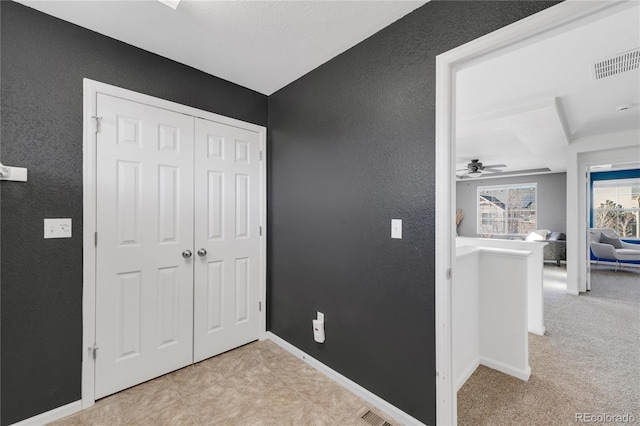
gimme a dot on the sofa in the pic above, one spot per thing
(556, 249)
(606, 245)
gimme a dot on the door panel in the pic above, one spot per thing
(215, 205)
(227, 220)
(144, 287)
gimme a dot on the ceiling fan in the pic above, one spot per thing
(475, 168)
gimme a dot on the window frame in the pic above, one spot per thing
(507, 188)
(610, 176)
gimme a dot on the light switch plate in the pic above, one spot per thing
(396, 228)
(18, 174)
(57, 228)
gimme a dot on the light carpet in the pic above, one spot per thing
(587, 362)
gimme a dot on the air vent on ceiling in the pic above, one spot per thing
(623, 62)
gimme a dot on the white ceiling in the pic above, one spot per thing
(525, 107)
(262, 45)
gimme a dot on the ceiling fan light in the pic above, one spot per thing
(475, 173)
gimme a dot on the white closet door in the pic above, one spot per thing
(144, 285)
(227, 215)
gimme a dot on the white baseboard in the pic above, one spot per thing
(507, 369)
(386, 408)
(538, 331)
(467, 373)
(52, 415)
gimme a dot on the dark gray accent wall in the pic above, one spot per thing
(43, 63)
(552, 200)
(352, 145)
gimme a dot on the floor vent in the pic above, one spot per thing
(623, 62)
(374, 419)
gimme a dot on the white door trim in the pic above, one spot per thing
(581, 157)
(536, 27)
(90, 90)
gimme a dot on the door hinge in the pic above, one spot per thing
(260, 155)
(93, 351)
(95, 239)
(449, 273)
(260, 231)
(96, 123)
(259, 306)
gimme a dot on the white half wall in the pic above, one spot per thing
(489, 312)
(465, 318)
(534, 272)
(504, 340)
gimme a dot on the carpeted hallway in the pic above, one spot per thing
(588, 361)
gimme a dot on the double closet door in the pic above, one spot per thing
(178, 244)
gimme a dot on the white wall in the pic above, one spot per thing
(534, 277)
(489, 311)
(611, 148)
(504, 341)
(465, 318)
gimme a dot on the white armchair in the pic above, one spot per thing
(604, 251)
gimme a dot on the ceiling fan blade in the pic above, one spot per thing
(462, 170)
(491, 166)
(492, 170)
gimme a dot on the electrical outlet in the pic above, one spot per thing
(318, 328)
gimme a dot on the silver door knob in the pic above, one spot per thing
(187, 254)
(202, 252)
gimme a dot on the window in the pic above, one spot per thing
(616, 205)
(507, 209)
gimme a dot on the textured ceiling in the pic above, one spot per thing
(262, 45)
(523, 108)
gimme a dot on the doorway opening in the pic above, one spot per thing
(614, 210)
(553, 21)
